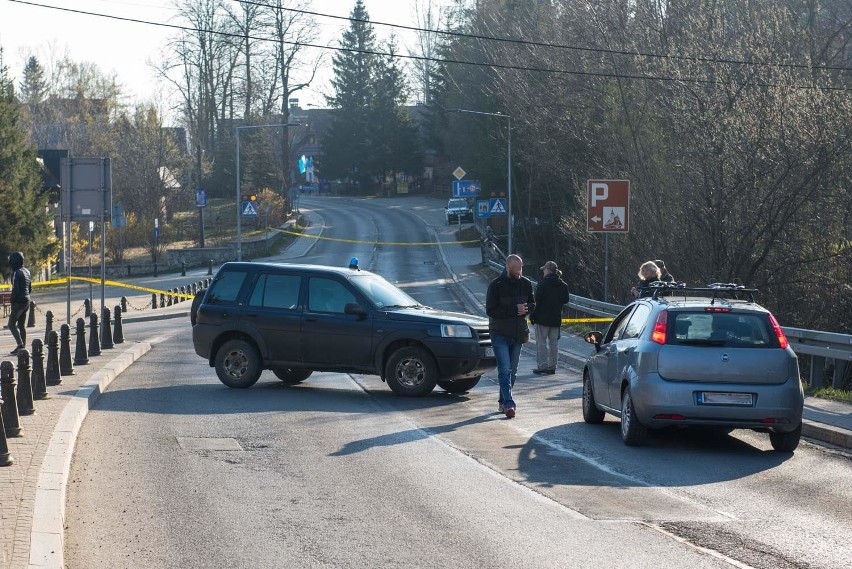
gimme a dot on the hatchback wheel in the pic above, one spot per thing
(591, 413)
(786, 442)
(633, 433)
(238, 364)
(411, 371)
(459, 385)
(291, 376)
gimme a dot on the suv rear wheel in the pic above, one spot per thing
(633, 433)
(411, 371)
(591, 413)
(786, 442)
(238, 364)
(291, 376)
(459, 385)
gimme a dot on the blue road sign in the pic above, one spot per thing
(465, 188)
(200, 198)
(249, 209)
(117, 219)
(482, 208)
(497, 206)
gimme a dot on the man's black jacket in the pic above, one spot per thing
(501, 304)
(550, 295)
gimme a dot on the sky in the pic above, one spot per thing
(127, 49)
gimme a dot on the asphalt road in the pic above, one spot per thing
(172, 469)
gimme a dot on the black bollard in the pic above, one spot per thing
(194, 288)
(51, 372)
(124, 304)
(65, 365)
(169, 298)
(10, 402)
(39, 385)
(162, 300)
(5, 456)
(153, 300)
(183, 292)
(25, 387)
(87, 307)
(183, 268)
(31, 317)
(118, 329)
(81, 352)
(94, 343)
(48, 325)
(106, 330)
(128, 270)
(210, 267)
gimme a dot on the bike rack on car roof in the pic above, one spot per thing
(660, 288)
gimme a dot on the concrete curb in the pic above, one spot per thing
(47, 537)
(827, 434)
(159, 316)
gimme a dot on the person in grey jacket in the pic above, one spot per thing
(550, 295)
(508, 301)
(21, 289)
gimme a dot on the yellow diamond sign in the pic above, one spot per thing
(459, 173)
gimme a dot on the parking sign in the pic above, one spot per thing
(608, 206)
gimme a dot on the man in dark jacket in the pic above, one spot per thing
(21, 289)
(550, 295)
(665, 275)
(508, 301)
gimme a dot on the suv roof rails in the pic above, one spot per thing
(732, 290)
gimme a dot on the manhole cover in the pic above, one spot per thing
(203, 443)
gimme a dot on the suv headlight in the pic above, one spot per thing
(456, 331)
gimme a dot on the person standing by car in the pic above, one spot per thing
(665, 275)
(509, 299)
(21, 289)
(550, 295)
(649, 273)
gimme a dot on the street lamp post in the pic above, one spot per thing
(508, 165)
(240, 213)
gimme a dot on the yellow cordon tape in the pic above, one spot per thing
(296, 233)
(578, 320)
(64, 280)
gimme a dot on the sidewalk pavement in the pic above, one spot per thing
(32, 489)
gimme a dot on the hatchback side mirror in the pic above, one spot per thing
(356, 309)
(594, 338)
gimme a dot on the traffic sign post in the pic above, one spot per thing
(482, 209)
(497, 206)
(465, 188)
(200, 203)
(607, 211)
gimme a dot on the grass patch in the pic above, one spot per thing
(829, 393)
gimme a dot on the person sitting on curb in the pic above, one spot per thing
(551, 295)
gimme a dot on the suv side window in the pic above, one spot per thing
(226, 287)
(637, 321)
(614, 330)
(276, 291)
(327, 295)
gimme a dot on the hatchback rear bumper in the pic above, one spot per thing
(660, 403)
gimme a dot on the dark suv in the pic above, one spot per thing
(297, 319)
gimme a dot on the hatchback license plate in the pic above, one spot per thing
(489, 352)
(724, 398)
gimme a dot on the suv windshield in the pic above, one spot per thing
(382, 293)
(461, 204)
(741, 330)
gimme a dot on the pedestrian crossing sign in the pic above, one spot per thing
(497, 206)
(249, 209)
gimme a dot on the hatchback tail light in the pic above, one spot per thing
(779, 333)
(659, 333)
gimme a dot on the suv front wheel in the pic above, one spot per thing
(411, 371)
(238, 364)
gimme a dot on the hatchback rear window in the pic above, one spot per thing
(731, 329)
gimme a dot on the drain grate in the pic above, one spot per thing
(205, 443)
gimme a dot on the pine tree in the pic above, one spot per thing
(33, 85)
(24, 222)
(346, 147)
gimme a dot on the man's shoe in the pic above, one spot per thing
(540, 371)
(16, 350)
(510, 412)
(550, 371)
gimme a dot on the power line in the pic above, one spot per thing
(701, 58)
(546, 70)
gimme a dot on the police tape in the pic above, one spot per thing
(64, 280)
(584, 320)
(393, 243)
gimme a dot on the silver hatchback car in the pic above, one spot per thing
(695, 356)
